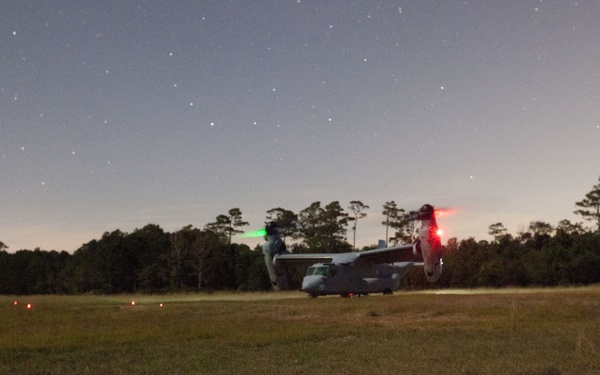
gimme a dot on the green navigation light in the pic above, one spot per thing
(257, 233)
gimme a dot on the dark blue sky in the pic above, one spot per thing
(118, 114)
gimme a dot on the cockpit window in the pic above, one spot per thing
(317, 271)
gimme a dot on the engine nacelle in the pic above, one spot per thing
(273, 247)
(430, 244)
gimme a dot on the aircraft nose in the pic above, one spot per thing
(312, 284)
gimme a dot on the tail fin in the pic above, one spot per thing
(275, 246)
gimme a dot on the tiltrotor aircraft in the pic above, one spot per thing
(357, 273)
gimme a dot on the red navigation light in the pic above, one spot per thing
(439, 232)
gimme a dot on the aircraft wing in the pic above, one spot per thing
(300, 260)
(394, 254)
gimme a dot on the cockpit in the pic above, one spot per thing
(318, 271)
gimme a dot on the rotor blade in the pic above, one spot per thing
(445, 211)
(257, 233)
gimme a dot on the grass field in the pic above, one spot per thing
(508, 331)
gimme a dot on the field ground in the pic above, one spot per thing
(506, 331)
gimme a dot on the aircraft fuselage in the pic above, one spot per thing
(323, 279)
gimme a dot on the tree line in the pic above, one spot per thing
(151, 260)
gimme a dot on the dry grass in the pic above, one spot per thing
(518, 331)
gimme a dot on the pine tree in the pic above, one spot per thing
(590, 206)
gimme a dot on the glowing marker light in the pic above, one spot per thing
(29, 305)
(15, 303)
(161, 305)
(257, 233)
(132, 303)
(439, 232)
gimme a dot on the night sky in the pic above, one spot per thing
(118, 114)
